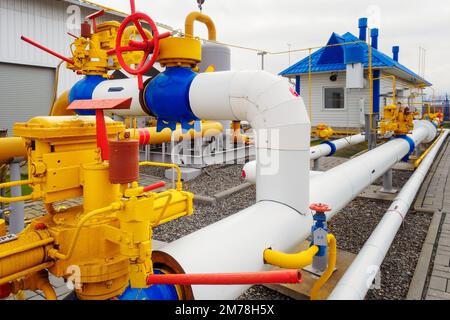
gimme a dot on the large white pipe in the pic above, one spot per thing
(359, 276)
(121, 89)
(276, 114)
(236, 244)
(316, 152)
(249, 172)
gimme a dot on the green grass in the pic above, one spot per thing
(351, 150)
(446, 125)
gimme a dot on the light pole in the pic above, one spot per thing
(289, 46)
(262, 54)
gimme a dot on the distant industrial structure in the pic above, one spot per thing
(340, 93)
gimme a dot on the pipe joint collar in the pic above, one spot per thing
(332, 146)
(412, 146)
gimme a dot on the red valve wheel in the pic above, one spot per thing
(148, 46)
(320, 207)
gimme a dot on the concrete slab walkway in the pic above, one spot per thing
(435, 195)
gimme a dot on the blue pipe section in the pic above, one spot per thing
(154, 292)
(332, 146)
(412, 146)
(167, 95)
(83, 90)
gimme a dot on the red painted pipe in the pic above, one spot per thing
(47, 50)
(284, 276)
(155, 186)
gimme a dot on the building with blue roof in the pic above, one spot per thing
(340, 94)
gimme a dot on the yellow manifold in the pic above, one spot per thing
(103, 245)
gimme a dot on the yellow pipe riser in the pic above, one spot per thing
(197, 16)
(12, 147)
(209, 129)
(332, 254)
(290, 261)
(2, 227)
(59, 108)
(23, 253)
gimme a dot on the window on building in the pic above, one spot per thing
(334, 98)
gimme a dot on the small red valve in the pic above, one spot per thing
(40, 226)
(320, 207)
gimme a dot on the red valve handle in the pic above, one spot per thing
(320, 207)
(148, 46)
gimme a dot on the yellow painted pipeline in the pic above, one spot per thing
(332, 253)
(290, 261)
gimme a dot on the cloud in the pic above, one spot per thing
(272, 24)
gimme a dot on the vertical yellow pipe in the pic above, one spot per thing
(330, 269)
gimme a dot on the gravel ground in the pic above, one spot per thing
(352, 228)
(213, 179)
(399, 178)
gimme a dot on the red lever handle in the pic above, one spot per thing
(155, 186)
(283, 276)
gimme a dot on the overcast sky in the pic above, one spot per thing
(273, 24)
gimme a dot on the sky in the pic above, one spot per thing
(272, 25)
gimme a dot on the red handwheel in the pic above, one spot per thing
(150, 46)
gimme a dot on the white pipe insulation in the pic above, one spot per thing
(359, 276)
(121, 89)
(276, 114)
(237, 243)
(316, 152)
(249, 172)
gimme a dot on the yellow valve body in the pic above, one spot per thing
(183, 52)
(103, 245)
(90, 54)
(396, 121)
(323, 131)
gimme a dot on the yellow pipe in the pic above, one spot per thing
(290, 261)
(179, 185)
(26, 247)
(14, 184)
(27, 251)
(197, 16)
(27, 272)
(47, 289)
(419, 161)
(209, 128)
(54, 253)
(59, 108)
(12, 147)
(330, 269)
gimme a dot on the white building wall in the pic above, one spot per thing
(44, 21)
(350, 116)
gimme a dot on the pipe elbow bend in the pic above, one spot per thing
(290, 261)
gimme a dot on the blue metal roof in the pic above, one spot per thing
(330, 59)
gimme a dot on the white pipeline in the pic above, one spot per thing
(236, 244)
(316, 152)
(358, 278)
(276, 114)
